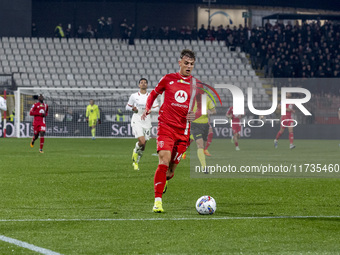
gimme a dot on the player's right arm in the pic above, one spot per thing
(130, 105)
(33, 111)
(46, 110)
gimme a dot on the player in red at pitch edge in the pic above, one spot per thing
(39, 110)
(174, 122)
(236, 126)
(288, 122)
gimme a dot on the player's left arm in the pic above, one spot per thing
(98, 115)
(46, 110)
(155, 106)
(339, 114)
(87, 112)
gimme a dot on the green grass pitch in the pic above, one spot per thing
(97, 203)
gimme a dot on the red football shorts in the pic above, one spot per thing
(236, 129)
(39, 128)
(287, 122)
(172, 139)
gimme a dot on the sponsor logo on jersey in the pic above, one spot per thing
(181, 96)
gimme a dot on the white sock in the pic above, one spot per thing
(158, 199)
(139, 151)
(137, 148)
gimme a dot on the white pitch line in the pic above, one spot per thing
(203, 217)
(28, 246)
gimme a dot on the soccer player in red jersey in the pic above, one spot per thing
(287, 121)
(39, 110)
(236, 126)
(174, 121)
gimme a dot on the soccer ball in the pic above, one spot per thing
(206, 205)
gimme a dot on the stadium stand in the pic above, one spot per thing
(306, 51)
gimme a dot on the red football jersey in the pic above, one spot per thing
(37, 110)
(234, 118)
(175, 107)
(288, 113)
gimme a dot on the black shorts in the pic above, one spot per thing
(200, 130)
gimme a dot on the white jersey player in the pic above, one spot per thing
(3, 106)
(140, 128)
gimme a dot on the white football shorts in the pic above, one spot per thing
(139, 131)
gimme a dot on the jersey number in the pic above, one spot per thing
(178, 156)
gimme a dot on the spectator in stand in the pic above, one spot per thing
(100, 27)
(210, 35)
(182, 33)
(123, 30)
(309, 71)
(320, 73)
(188, 33)
(58, 31)
(173, 34)
(253, 56)
(145, 33)
(153, 32)
(132, 34)
(220, 34)
(278, 72)
(194, 33)
(312, 63)
(80, 32)
(108, 28)
(34, 30)
(202, 33)
(230, 40)
(161, 33)
(287, 70)
(68, 32)
(262, 56)
(270, 66)
(89, 32)
(304, 60)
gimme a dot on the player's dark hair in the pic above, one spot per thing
(35, 97)
(188, 53)
(143, 79)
